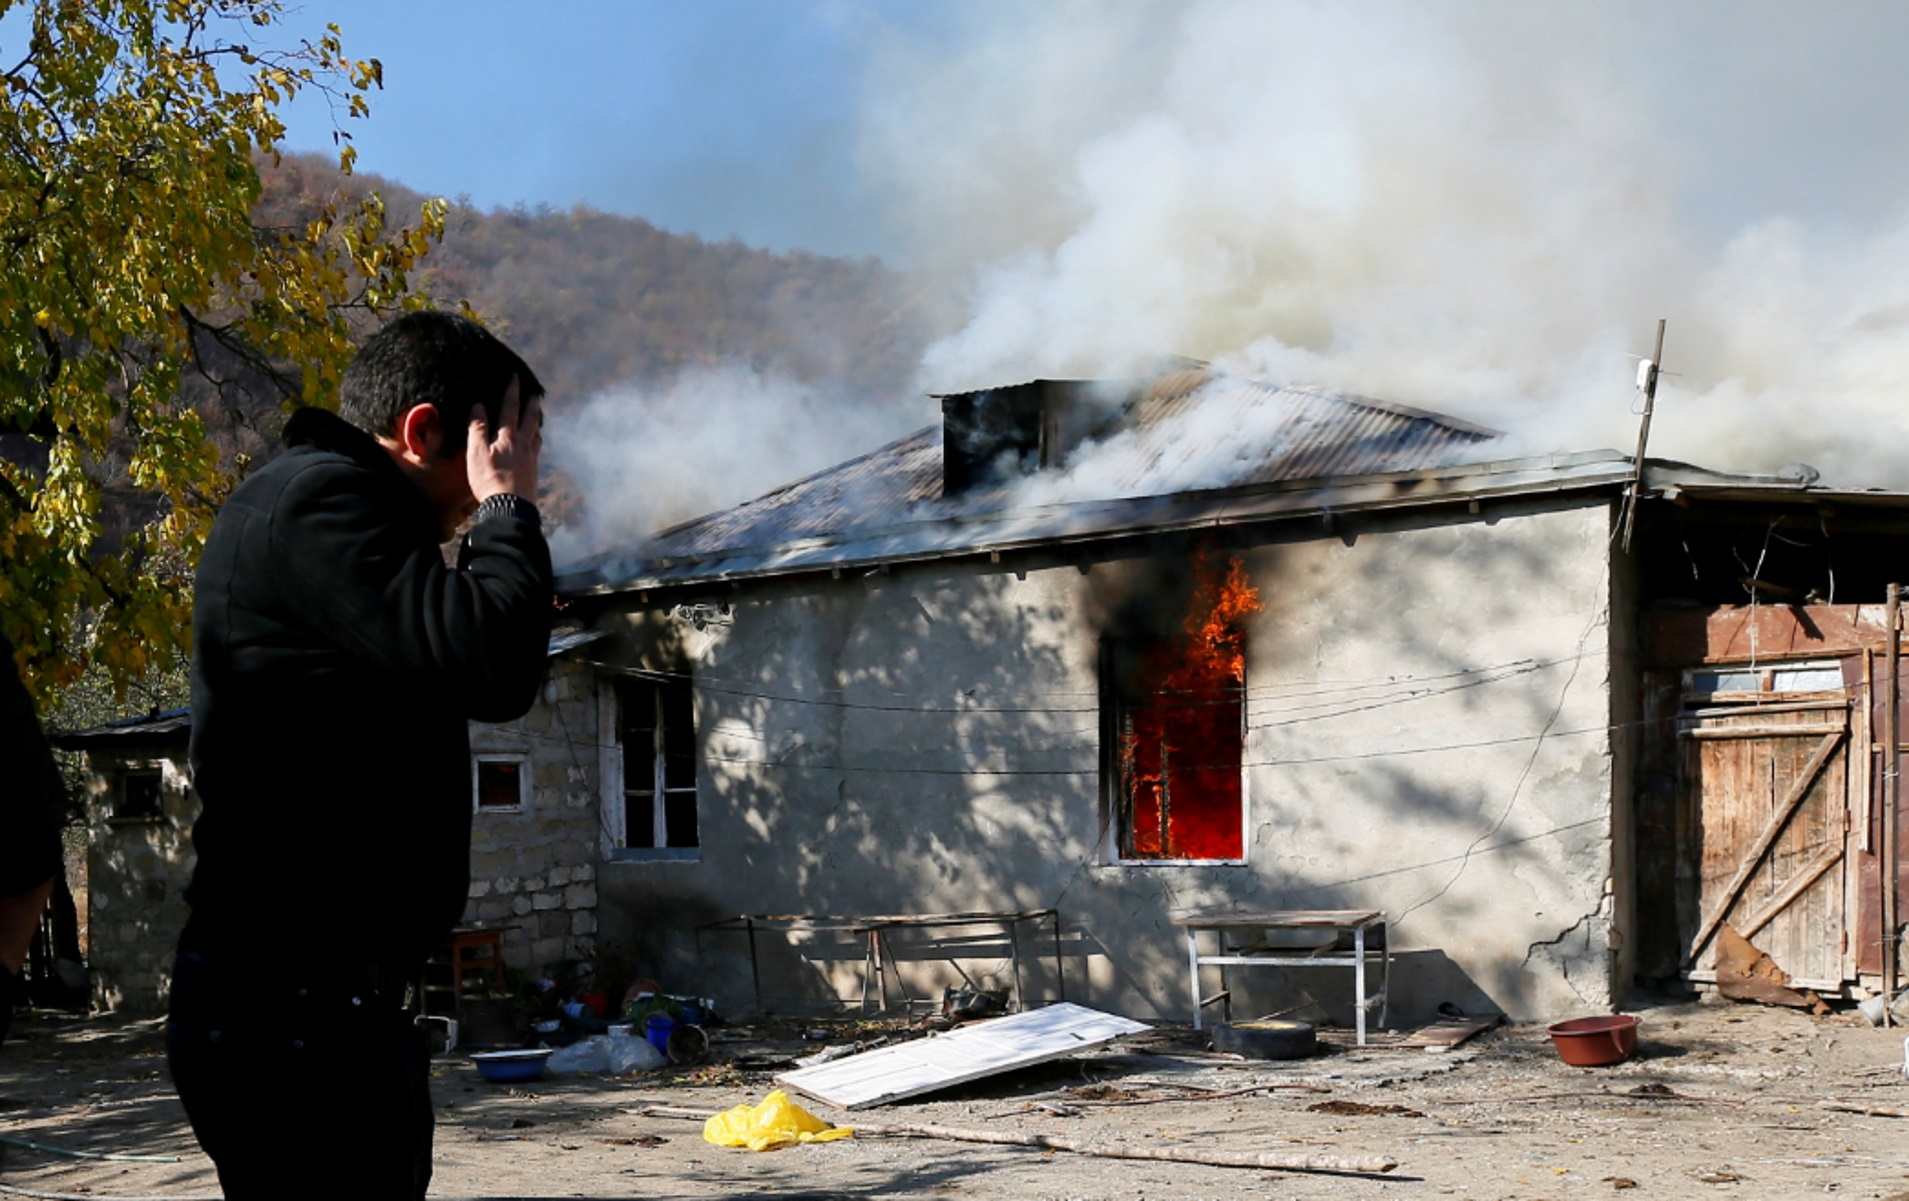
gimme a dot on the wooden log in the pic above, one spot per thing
(1277, 1161)
(1874, 1111)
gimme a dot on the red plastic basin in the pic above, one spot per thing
(1595, 1042)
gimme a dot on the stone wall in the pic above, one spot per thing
(137, 870)
(534, 869)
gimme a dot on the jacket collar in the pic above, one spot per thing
(326, 430)
(323, 430)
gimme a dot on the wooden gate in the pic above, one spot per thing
(1765, 802)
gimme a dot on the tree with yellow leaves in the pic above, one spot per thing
(129, 266)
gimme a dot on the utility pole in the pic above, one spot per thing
(1892, 806)
(1649, 383)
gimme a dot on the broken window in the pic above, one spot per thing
(656, 730)
(500, 782)
(1175, 712)
(140, 794)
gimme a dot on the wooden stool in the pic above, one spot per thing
(470, 960)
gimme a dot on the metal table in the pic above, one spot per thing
(1361, 922)
(875, 928)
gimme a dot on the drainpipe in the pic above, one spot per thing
(1892, 801)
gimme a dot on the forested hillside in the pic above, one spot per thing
(592, 299)
(601, 303)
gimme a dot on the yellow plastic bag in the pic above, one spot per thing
(776, 1122)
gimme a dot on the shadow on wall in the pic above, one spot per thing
(138, 866)
(1425, 716)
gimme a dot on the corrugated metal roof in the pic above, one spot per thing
(865, 547)
(1199, 429)
(569, 640)
(1190, 450)
(162, 724)
(1189, 430)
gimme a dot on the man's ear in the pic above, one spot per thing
(421, 431)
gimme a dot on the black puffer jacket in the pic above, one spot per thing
(336, 660)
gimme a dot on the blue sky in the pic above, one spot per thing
(714, 117)
(1462, 204)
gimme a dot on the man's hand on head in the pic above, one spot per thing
(503, 458)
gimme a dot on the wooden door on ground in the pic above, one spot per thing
(1765, 805)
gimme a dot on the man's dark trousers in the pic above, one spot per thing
(309, 1081)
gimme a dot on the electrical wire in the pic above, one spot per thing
(719, 686)
(1531, 761)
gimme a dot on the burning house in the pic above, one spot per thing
(1123, 653)
(1098, 656)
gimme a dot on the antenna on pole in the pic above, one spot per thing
(1647, 384)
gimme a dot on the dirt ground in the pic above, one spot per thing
(1500, 1117)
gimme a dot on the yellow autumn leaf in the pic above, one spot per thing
(127, 194)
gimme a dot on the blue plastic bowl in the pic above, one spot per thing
(511, 1067)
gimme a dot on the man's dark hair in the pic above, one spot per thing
(431, 358)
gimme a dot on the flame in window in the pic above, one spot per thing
(1183, 731)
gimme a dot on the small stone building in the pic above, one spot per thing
(139, 812)
(534, 837)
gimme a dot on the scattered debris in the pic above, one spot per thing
(1443, 1035)
(1718, 1177)
(830, 1054)
(1619, 1182)
(1874, 1111)
(112, 1155)
(1198, 1093)
(971, 1004)
(1643, 1092)
(973, 1052)
(635, 1140)
(1356, 1109)
(1100, 1090)
(1047, 1107)
(1745, 973)
(1343, 1164)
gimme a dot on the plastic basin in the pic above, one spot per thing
(509, 1067)
(1595, 1042)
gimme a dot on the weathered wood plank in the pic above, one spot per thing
(1767, 912)
(1733, 733)
(1799, 789)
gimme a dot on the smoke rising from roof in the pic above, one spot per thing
(644, 458)
(1479, 209)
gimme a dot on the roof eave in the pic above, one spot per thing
(867, 549)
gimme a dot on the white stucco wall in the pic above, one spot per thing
(1426, 733)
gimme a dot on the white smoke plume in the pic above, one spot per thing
(1476, 208)
(646, 458)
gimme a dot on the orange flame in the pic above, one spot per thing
(1180, 753)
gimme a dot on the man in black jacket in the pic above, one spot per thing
(336, 660)
(32, 798)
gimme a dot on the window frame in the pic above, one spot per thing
(522, 760)
(614, 761)
(1113, 706)
(140, 769)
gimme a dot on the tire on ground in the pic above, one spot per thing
(1266, 1039)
